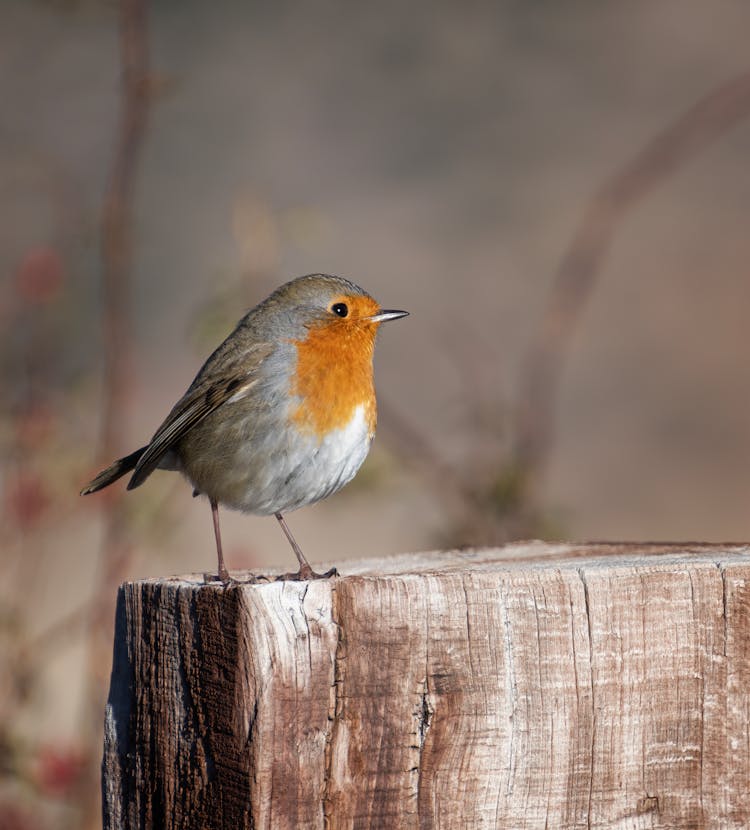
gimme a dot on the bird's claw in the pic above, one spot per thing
(226, 579)
(305, 573)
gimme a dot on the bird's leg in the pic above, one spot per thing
(305, 571)
(223, 572)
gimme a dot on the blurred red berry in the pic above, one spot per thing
(58, 769)
(27, 499)
(35, 427)
(13, 817)
(40, 275)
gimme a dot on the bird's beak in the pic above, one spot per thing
(383, 315)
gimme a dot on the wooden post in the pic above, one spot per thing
(534, 686)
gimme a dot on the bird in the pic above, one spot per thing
(281, 415)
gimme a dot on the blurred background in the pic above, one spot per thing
(558, 192)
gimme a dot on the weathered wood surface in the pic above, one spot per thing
(534, 686)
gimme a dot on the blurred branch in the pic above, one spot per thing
(665, 155)
(117, 259)
(117, 220)
(504, 504)
(409, 443)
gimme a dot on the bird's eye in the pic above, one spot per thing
(340, 309)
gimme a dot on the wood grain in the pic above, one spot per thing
(533, 686)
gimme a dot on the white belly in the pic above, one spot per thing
(302, 472)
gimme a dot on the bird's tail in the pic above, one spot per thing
(113, 472)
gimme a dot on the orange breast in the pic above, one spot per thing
(334, 371)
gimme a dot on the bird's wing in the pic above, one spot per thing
(211, 390)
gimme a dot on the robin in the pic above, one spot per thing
(281, 415)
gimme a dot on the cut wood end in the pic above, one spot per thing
(533, 553)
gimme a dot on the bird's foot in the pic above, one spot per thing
(226, 579)
(304, 573)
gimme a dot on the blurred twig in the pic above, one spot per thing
(409, 442)
(504, 503)
(663, 156)
(117, 258)
(117, 221)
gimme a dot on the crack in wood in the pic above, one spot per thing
(725, 618)
(587, 606)
(334, 707)
(510, 688)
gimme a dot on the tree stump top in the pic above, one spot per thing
(531, 686)
(527, 555)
